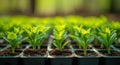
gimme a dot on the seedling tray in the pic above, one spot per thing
(73, 59)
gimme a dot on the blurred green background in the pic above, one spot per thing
(58, 7)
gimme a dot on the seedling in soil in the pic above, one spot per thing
(107, 38)
(60, 35)
(36, 35)
(84, 37)
(14, 40)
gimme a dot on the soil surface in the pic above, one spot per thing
(8, 52)
(81, 53)
(113, 53)
(31, 52)
(64, 52)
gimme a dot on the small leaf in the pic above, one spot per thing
(19, 38)
(112, 38)
(89, 40)
(65, 44)
(11, 36)
(24, 39)
(6, 39)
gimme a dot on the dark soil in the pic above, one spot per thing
(64, 52)
(81, 53)
(113, 53)
(8, 52)
(31, 52)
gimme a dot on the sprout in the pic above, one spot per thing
(14, 40)
(83, 38)
(60, 35)
(107, 38)
(36, 35)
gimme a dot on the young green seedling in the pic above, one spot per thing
(36, 35)
(84, 37)
(77, 32)
(60, 35)
(107, 38)
(14, 40)
(116, 26)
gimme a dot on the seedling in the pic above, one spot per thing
(116, 26)
(36, 35)
(60, 35)
(83, 37)
(107, 38)
(14, 40)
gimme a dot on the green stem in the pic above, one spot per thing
(60, 49)
(85, 51)
(96, 41)
(38, 46)
(34, 47)
(13, 50)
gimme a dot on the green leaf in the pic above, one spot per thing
(23, 39)
(6, 39)
(65, 44)
(101, 40)
(19, 38)
(1, 35)
(55, 43)
(89, 40)
(11, 36)
(112, 38)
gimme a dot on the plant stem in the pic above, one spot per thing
(108, 50)
(96, 41)
(38, 47)
(13, 50)
(34, 47)
(60, 49)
